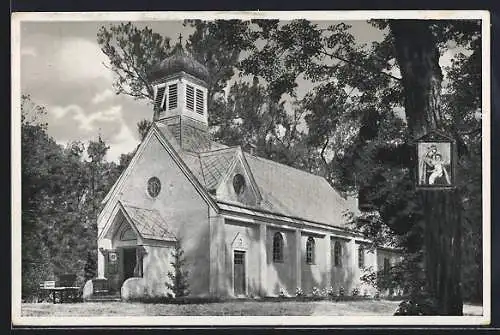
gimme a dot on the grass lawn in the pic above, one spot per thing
(245, 308)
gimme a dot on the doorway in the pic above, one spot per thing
(239, 273)
(129, 262)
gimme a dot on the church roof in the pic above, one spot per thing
(296, 193)
(148, 223)
(215, 165)
(285, 190)
(178, 62)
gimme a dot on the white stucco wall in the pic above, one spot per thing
(314, 275)
(341, 275)
(156, 265)
(281, 275)
(250, 233)
(179, 204)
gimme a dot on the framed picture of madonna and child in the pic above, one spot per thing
(436, 158)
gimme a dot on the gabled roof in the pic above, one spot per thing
(284, 190)
(296, 193)
(215, 164)
(147, 222)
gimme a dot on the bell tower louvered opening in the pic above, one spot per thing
(180, 99)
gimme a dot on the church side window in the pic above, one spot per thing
(172, 96)
(337, 253)
(278, 247)
(310, 250)
(199, 101)
(361, 257)
(190, 97)
(160, 99)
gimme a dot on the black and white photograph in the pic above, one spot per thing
(434, 163)
(250, 168)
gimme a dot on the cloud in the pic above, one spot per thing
(80, 59)
(86, 122)
(103, 96)
(123, 142)
(59, 112)
(114, 113)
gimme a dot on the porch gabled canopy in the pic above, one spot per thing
(146, 223)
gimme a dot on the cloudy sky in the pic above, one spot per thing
(62, 68)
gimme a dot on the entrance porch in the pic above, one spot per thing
(134, 252)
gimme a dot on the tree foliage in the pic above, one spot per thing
(350, 126)
(61, 196)
(132, 52)
(356, 122)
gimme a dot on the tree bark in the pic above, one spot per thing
(418, 59)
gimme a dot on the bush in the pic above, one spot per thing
(355, 292)
(283, 293)
(315, 292)
(299, 292)
(179, 278)
(421, 305)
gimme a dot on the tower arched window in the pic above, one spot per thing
(278, 247)
(361, 257)
(310, 250)
(337, 253)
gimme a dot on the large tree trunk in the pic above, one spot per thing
(418, 59)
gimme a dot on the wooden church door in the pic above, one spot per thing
(129, 261)
(239, 273)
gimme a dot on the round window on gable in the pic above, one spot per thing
(154, 187)
(238, 184)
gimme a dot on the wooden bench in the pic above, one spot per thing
(62, 290)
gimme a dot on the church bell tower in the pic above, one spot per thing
(180, 96)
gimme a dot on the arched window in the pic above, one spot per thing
(278, 247)
(310, 250)
(337, 253)
(361, 257)
(238, 183)
(128, 235)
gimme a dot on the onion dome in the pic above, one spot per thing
(177, 62)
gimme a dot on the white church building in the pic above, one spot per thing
(249, 227)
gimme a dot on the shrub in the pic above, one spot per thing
(283, 293)
(419, 305)
(330, 292)
(341, 291)
(299, 292)
(179, 278)
(355, 292)
(315, 292)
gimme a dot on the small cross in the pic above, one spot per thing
(180, 38)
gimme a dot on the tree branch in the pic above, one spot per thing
(358, 65)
